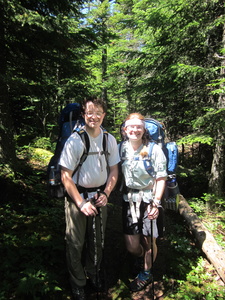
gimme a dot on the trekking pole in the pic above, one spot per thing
(152, 258)
(96, 252)
(101, 224)
(102, 241)
(95, 242)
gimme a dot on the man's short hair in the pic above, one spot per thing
(96, 101)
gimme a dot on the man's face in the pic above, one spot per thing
(93, 115)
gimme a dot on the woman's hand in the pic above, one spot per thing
(153, 211)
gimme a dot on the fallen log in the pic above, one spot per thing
(204, 238)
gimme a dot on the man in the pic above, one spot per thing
(98, 172)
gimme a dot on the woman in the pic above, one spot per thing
(142, 197)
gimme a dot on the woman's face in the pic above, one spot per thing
(134, 132)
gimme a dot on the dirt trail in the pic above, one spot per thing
(119, 263)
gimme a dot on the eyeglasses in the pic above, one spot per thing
(135, 127)
(90, 114)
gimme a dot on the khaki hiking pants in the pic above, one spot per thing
(80, 246)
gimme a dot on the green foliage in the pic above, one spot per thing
(218, 201)
(199, 285)
(32, 244)
(44, 143)
(35, 155)
(211, 210)
(31, 247)
(39, 283)
(195, 138)
(39, 154)
(46, 48)
(6, 171)
(191, 183)
(191, 275)
(181, 250)
(161, 58)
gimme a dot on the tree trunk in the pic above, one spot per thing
(217, 176)
(205, 239)
(7, 146)
(104, 74)
(216, 182)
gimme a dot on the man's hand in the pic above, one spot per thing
(101, 199)
(88, 209)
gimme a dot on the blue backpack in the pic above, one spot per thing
(70, 121)
(156, 133)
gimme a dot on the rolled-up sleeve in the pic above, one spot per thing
(160, 162)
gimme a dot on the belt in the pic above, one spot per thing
(82, 189)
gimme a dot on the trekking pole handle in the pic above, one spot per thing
(98, 193)
(154, 214)
(154, 203)
(151, 202)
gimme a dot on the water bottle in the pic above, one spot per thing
(52, 176)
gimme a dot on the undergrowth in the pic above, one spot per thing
(32, 247)
(212, 218)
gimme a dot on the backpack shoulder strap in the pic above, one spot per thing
(105, 142)
(85, 139)
(151, 145)
(86, 142)
(147, 162)
(105, 146)
(121, 182)
(122, 151)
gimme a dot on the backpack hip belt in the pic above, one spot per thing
(129, 190)
(84, 190)
(135, 211)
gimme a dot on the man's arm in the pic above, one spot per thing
(112, 179)
(88, 209)
(110, 184)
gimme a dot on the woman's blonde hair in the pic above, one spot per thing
(145, 138)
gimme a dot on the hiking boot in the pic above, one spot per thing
(96, 283)
(78, 293)
(140, 282)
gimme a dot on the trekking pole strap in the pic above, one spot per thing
(102, 192)
(83, 203)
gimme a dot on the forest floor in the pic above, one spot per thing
(33, 247)
(119, 263)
